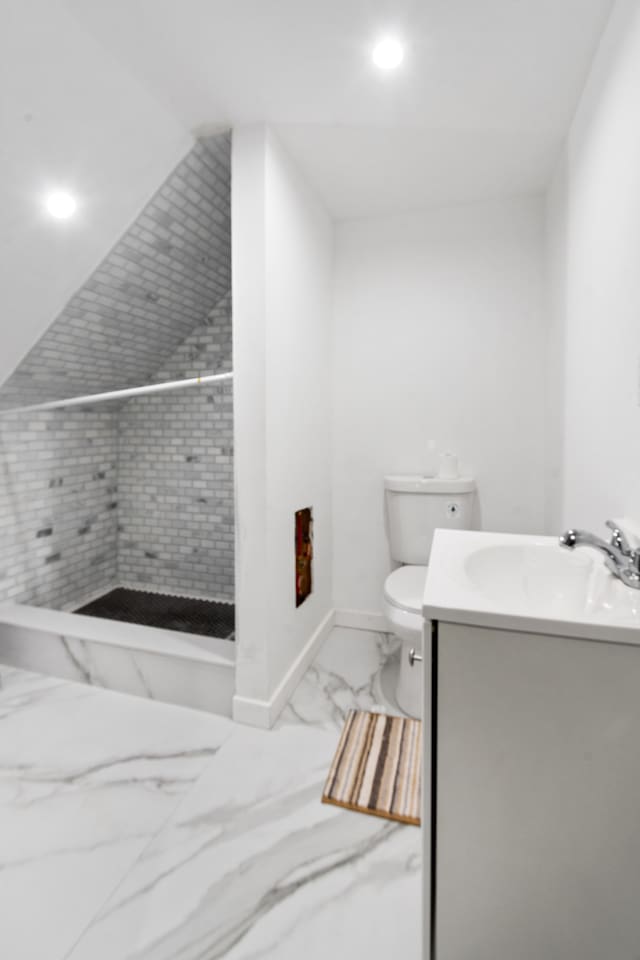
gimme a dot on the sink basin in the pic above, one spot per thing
(533, 582)
(539, 573)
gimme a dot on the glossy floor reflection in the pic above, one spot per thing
(135, 830)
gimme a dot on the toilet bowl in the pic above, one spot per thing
(402, 607)
(415, 507)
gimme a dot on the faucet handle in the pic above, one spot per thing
(618, 539)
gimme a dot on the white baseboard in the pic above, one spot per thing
(361, 620)
(264, 713)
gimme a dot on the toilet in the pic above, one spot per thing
(415, 507)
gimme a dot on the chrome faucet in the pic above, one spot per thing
(620, 558)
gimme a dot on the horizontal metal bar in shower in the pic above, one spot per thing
(122, 394)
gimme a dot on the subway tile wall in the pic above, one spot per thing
(158, 306)
(176, 474)
(58, 505)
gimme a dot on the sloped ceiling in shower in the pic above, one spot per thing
(162, 279)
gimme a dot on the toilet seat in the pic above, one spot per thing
(404, 588)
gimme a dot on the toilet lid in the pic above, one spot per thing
(404, 588)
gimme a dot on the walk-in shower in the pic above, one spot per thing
(174, 591)
(116, 451)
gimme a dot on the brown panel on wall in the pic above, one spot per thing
(304, 554)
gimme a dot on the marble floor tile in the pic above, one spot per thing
(140, 831)
(253, 865)
(354, 669)
(87, 777)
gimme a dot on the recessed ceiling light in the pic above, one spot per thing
(388, 53)
(61, 204)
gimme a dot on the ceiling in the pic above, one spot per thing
(478, 109)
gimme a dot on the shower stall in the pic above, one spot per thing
(116, 446)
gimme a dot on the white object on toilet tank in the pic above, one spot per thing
(448, 466)
(416, 506)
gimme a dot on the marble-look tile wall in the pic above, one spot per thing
(58, 505)
(176, 474)
(144, 662)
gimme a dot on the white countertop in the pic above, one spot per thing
(529, 584)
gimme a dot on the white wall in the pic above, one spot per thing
(73, 118)
(439, 336)
(282, 288)
(554, 395)
(299, 301)
(594, 224)
(248, 216)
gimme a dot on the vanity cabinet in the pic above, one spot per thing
(535, 755)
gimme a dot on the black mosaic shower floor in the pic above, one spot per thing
(206, 617)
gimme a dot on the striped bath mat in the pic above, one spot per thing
(377, 767)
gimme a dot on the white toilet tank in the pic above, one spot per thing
(417, 506)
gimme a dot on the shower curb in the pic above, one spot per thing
(164, 665)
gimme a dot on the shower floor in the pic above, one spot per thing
(205, 617)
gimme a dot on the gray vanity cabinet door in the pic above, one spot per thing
(538, 798)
